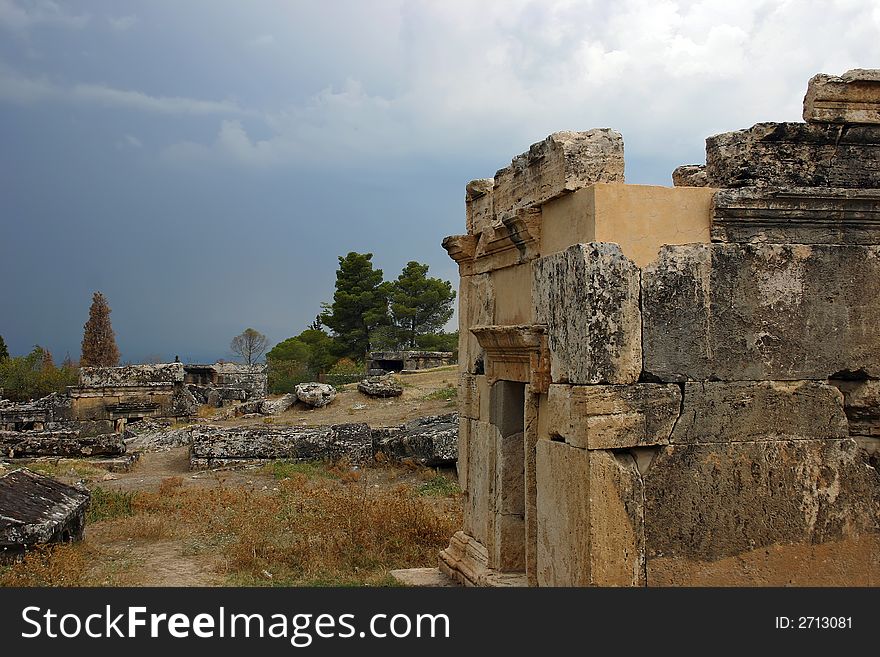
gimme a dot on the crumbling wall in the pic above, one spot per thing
(693, 400)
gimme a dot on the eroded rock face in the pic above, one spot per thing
(315, 395)
(380, 386)
(795, 155)
(853, 97)
(762, 513)
(563, 162)
(69, 444)
(184, 403)
(36, 509)
(761, 312)
(588, 296)
(277, 406)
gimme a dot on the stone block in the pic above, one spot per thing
(613, 417)
(461, 466)
(431, 441)
(862, 406)
(690, 175)
(761, 312)
(66, 444)
(36, 509)
(795, 155)
(563, 162)
(563, 493)
(797, 215)
(479, 208)
(853, 97)
(530, 438)
(476, 306)
(590, 517)
(131, 375)
(617, 535)
(718, 412)
(763, 513)
(510, 475)
(588, 296)
(509, 543)
(479, 507)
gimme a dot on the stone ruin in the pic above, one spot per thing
(221, 383)
(35, 510)
(676, 386)
(399, 361)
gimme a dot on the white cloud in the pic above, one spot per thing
(137, 100)
(36, 13)
(123, 23)
(129, 141)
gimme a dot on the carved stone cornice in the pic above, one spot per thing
(515, 353)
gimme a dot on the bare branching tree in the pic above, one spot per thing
(249, 345)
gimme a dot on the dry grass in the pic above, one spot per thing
(327, 526)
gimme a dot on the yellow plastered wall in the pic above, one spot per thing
(640, 218)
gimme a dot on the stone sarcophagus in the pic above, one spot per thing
(676, 386)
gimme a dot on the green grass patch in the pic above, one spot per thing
(449, 393)
(109, 504)
(439, 486)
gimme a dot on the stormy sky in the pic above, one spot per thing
(203, 163)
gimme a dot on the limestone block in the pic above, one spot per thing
(763, 513)
(131, 375)
(510, 475)
(588, 296)
(613, 417)
(461, 466)
(509, 543)
(797, 215)
(352, 441)
(479, 507)
(380, 386)
(315, 394)
(718, 412)
(68, 444)
(37, 509)
(431, 441)
(690, 175)
(617, 535)
(476, 306)
(563, 493)
(563, 162)
(761, 312)
(862, 406)
(854, 97)
(590, 511)
(478, 204)
(530, 438)
(276, 406)
(795, 155)
(469, 396)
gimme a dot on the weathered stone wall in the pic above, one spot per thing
(691, 400)
(409, 360)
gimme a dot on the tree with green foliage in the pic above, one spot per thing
(439, 342)
(296, 359)
(34, 376)
(99, 341)
(419, 305)
(4, 352)
(360, 304)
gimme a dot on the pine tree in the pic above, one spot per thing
(4, 352)
(419, 305)
(99, 341)
(360, 304)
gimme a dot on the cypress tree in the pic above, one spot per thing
(4, 352)
(99, 341)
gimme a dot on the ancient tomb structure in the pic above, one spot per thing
(398, 361)
(676, 386)
(36, 509)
